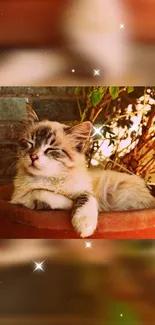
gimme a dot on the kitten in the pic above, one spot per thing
(51, 171)
(52, 174)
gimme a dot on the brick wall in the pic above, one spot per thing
(54, 103)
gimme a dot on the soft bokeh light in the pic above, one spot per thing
(126, 137)
(111, 283)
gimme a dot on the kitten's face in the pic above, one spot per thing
(49, 148)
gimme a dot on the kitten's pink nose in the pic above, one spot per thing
(33, 157)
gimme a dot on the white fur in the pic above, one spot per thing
(61, 183)
(119, 191)
(113, 191)
(55, 201)
(86, 217)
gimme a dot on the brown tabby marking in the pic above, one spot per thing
(38, 205)
(51, 172)
(80, 201)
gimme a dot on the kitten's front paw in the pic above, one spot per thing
(84, 224)
(29, 204)
(85, 217)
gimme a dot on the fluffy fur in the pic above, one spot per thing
(52, 174)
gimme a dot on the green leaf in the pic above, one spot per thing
(103, 90)
(96, 97)
(122, 313)
(129, 89)
(77, 90)
(111, 142)
(114, 92)
(105, 130)
(111, 132)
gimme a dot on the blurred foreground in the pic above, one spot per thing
(62, 42)
(111, 282)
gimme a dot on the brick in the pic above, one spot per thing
(35, 91)
(12, 108)
(10, 130)
(56, 110)
(8, 157)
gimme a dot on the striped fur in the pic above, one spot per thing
(59, 179)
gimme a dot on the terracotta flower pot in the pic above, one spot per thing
(20, 222)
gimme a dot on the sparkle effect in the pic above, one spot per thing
(38, 266)
(97, 131)
(96, 72)
(73, 70)
(88, 244)
(121, 25)
(121, 315)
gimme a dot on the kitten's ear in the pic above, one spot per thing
(80, 134)
(31, 116)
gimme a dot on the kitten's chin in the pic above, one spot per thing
(43, 172)
(33, 170)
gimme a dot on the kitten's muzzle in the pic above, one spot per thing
(34, 157)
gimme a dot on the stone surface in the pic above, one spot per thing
(12, 108)
(36, 91)
(9, 130)
(56, 110)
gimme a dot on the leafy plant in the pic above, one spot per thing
(117, 108)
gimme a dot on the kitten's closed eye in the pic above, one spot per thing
(57, 152)
(50, 150)
(25, 144)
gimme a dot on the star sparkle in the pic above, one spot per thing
(88, 244)
(121, 25)
(97, 72)
(39, 266)
(73, 70)
(97, 131)
(121, 315)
